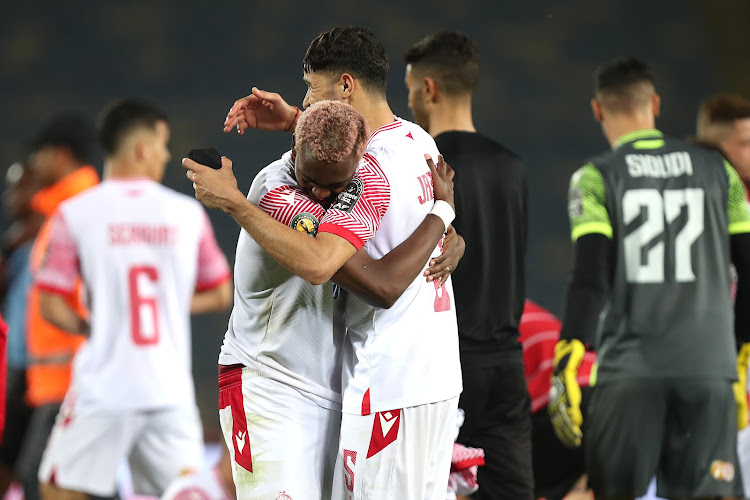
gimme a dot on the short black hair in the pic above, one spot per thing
(349, 49)
(620, 74)
(453, 57)
(121, 117)
(725, 108)
(69, 129)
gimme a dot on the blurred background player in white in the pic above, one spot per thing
(284, 436)
(213, 483)
(148, 257)
(401, 362)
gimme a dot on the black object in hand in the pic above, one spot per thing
(208, 157)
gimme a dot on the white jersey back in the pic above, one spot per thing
(142, 250)
(406, 355)
(282, 326)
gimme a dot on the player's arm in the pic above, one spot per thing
(262, 110)
(213, 284)
(313, 259)
(56, 279)
(591, 232)
(739, 234)
(381, 282)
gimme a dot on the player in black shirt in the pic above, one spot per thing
(491, 197)
(655, 223)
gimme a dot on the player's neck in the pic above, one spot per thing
(451, 115)
(377, 112)
(616, 127)
(122, 168)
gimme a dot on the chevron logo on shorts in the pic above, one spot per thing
(240, 438)
(384, 431)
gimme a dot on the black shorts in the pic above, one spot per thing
(497, 406)
(556, 467)
(683, 430)
(17, 416)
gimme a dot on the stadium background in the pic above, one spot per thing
(195, 58)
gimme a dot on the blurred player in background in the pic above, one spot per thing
(292, 440)
(655, 224)
(20, 186)
(403, 361)
(724, 122)
(214, 483)
(148, 258)
(60, 160)
(491, 195)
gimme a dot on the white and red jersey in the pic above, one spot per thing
(406, 355)
(282, 326)
(142, 251)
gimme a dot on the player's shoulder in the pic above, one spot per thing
(278, 174)
(399, 135)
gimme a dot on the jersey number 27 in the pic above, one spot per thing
(644, 255)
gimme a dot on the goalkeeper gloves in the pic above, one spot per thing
(740, 387)
(565, 393)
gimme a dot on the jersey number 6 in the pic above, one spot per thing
(144, 311)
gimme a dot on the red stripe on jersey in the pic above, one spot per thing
(366, 402)
(343, 232)
(363, 218)
(390, 126)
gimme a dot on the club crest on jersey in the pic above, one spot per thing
(349, 197)
(283, 496)
(305, 222)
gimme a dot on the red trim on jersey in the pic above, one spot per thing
(384, 431)
(345, 233)
(464, 457)
(214, 284)
(389, 126)
(230, 394)
(55, 289)
(366, 402)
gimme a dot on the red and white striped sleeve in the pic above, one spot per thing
(213, 269)
(287, 203)
(357, 213)
(60, 267)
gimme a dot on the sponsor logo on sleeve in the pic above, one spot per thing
(349, 197)
(305, 222)
(722, 471)
(575, 203)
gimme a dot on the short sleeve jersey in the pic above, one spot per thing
(669, 207)
(406, 355)
(282, 326)
(142, 251)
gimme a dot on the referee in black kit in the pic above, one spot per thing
(491, 198)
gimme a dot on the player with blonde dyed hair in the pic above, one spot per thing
(280, 364)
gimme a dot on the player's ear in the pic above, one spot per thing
(431, 89)
(140, 149)
(656, 104)
(346, 84)
(596, 109)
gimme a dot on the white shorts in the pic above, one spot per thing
(396, 454)
(282, 444)
(84, 452)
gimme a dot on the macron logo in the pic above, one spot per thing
(386, 422)
(240, 438)
(288, 197)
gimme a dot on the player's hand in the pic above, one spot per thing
(262, 110)
(442, 180)
(214, 188)
(565, 393)
(443, 265)
(740, 386)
